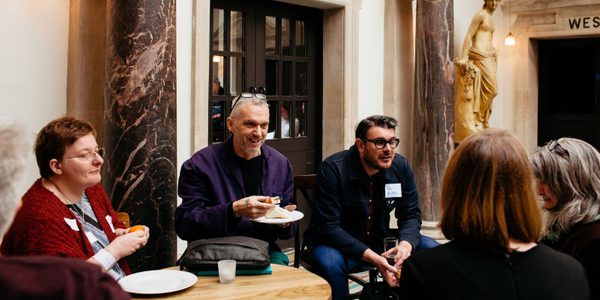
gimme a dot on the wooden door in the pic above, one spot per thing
(275, 46)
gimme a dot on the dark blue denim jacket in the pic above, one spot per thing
(339, 216)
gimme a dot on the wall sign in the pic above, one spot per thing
(584, 23)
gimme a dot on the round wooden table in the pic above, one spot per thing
(284, 283)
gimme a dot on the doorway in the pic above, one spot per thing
(569, 90)
(276, 49)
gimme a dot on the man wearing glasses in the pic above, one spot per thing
(355, 192)
(224, 186)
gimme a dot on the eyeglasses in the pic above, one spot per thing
(253, 93)
(380, 143)
(554, 145)
(89, 156)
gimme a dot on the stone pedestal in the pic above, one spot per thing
(434, 97)
(140, 122)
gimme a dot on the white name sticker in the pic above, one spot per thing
(109, 220)
(91, 237)
(72, 223)
(393, 190)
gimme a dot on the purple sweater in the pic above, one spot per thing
(212, 179)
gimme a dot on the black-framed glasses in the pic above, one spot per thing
(554, 145)
(247, 95)
(89, 156)
(380, 143)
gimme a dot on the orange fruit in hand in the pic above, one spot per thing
(136, 228)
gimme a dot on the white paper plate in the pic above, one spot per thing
(296, 215)
(157, 282)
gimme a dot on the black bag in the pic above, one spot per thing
(378, 291)
(203, 255)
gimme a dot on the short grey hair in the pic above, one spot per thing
(235, 109)
(14, 151)
(572, 173)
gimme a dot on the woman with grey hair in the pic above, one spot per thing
(568, 176)
(13, 157)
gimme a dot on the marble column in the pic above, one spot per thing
(434, 96)
(140, 122)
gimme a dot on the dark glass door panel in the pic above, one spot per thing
(271, 78)
(569, 89)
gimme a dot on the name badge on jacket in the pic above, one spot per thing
(72, 223)
(393, 190)
(91, 237)
(109, 221)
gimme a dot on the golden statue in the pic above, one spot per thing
(476, 84)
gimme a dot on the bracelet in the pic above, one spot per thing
(105, 259)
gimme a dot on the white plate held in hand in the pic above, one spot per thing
(157, 282)
(296, 215)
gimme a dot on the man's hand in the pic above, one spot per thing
(252, 207)
(389, 273)
(400, 253)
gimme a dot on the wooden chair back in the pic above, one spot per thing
(303, 184)
(123, 218)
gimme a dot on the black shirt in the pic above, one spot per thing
(459, 271)
(252, 175)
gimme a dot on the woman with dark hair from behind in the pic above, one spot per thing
(568, 176)
(490, 216)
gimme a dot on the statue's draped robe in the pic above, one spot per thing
(476, 87)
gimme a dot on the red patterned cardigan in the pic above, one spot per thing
(40, 228)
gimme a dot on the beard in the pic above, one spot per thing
(373, 160)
